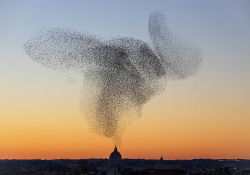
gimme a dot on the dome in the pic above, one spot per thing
(115, 157)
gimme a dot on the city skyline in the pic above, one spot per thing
(204, 116)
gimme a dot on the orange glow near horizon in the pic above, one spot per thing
(185, 126)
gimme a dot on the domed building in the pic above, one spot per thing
(115, 158)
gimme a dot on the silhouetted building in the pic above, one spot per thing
(163, 169)
(243, 172)
(115, 158)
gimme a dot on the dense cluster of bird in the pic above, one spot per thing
(121, 74)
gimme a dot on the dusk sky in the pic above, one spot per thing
(204, 116)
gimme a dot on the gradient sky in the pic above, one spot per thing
(205, 116)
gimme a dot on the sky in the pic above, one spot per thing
(204, 116)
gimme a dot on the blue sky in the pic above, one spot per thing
(218, 27)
